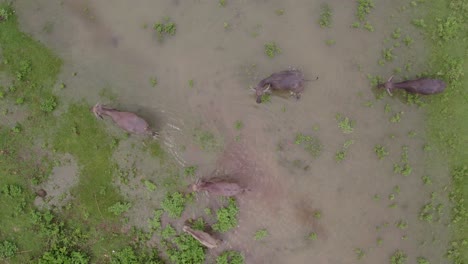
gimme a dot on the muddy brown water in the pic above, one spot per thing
(107, 45)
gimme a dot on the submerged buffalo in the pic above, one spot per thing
(218, 187)
(129, 122)
(289, 80)
(203, 237)
(419, 86)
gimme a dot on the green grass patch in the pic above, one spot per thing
(80, 134)
(34, 67)
(447, 127)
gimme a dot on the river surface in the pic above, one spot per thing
(111, 53)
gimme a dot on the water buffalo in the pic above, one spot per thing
(289, 80)
(129, 122)
(419, 86)
(203, 237)
(218, 187)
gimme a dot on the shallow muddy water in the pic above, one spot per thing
(109, 48)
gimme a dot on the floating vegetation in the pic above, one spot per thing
(226, 217)
(387, 54)
(272, 49)
(404, 168)
(396, 34)
(153, 81)
(206, 140)
(310, 144)
(346, 124)
(119, 208)
(399, 257)
(174, 204)
(341, 154)
(279, 12)
(312, 236)
(261, 234)
(190, 171)
(238, 125)
(165, 28)
(230, 257)
(380, 151)
(330, 42)
(396, 118)
(325, 16)
(360, 253)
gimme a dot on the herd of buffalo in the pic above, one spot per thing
(288, 80)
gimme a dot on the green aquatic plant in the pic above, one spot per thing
(368, 26)
(206, 140)
(363, 9)
(448, 28)
(8, 249)
(279, 12)
(119, 208)
(230, 257)
(5, 13)
(153, 81)
(272, 49)
(346, 124)
(191, 83)
(155, 222)
(174, 204)
(341, 154)
(165, 28)
(396, 34)
(168, 232)
(49, 104)
(396, 118)
(419, 23)
(222, 3)
(185, 249)
(311, 144)
(261, 234)
(226, 217)
(422, 260)
(380, 151)
(401, 224)
(150, 186)
(408, 41)
(330, 42)
(312, 236)
(317, 214)
(132, 256)
(360, 253)
(190, 171)
(426, 180)
(238, 125)
(325, 16)
(399, 257)
(387, 54)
